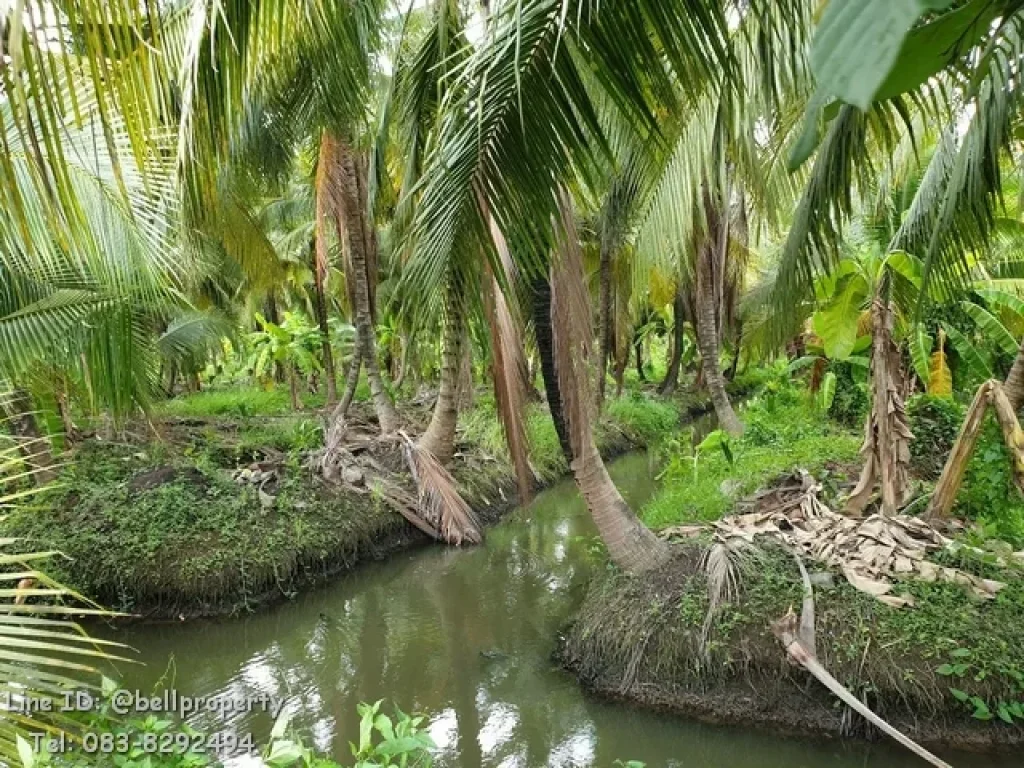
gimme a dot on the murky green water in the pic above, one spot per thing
(464, 637)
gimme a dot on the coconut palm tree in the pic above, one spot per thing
(528, 128)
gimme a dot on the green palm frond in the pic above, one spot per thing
(954, 209)
(44, 653)
(193, 337)
(527, 123)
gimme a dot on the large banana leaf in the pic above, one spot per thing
(837, 323)
(993, 329)
(920, 352)
(968, 352)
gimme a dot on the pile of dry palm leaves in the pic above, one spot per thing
(366, 463)
(873, 553)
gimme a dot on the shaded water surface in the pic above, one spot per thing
(464, 637)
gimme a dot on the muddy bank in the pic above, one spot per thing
(222, 517)
(646, 640)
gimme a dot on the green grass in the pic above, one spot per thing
(647, 418)
(196, 539)
(907, 661)
(784, 431)
(242, 402)
(640, 419)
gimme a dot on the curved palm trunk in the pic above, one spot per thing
(439, 438)
(631, 545)
(355, 367)
(361, 242)
(707, 341)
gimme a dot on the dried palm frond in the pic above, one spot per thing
(723, 565)
(509, 365)
(872, 554)
(788, 633)
(440, 504)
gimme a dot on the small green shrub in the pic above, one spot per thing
(935, 422)
(850, 403)
(988, 494)
(784, 431)
(647, 418)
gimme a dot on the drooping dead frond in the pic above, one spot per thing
(723, 564)
(509, 364)
(789, 634)
(440, 504)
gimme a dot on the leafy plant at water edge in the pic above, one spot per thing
(384, 742)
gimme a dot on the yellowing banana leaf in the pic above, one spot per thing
(940, 378)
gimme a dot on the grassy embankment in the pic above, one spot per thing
(950, 670)
(161, 528)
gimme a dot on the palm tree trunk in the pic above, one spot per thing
(619, 374)
(66, 419)
(361, 242)
(465, 390)
(439, 438)
(327, 354)
(631, 545)
(355, 367)
(546, 349)
(734, 366)
(707, 341)
(1014, 385)
(605, 330)
(172, 378)
(638, 347)
(668, 386)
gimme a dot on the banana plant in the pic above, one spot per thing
(840, 329)
(292, 345)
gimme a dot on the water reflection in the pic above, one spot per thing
(466, 638)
